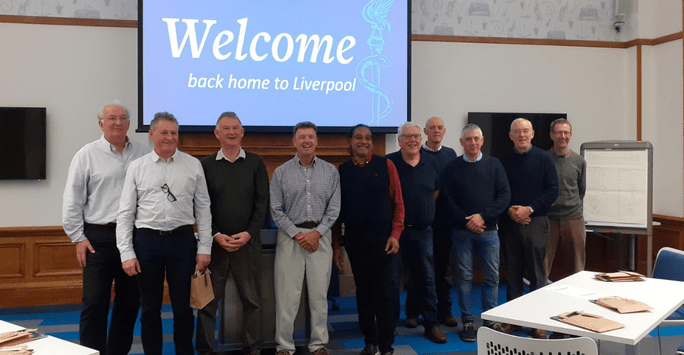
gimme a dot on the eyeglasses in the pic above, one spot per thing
(114, 119)
(525, 131)
(560, 133)
(169, 195)
(411, 136)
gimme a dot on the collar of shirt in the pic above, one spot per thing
(368, 159)
(525, 152)
(105, 143)
(241, 154)
(479, 157)
(299, 161)
(157, 158)
(430, 149)
(556, 155)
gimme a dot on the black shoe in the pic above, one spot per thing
(448, 320)
(435, 335)
(370, 349)
(411, 322)
(468, 333)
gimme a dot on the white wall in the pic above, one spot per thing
(72, 71)
(590, 84)
(662, 124)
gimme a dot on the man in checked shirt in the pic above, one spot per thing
(305, 203)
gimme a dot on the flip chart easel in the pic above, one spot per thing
(619, 196)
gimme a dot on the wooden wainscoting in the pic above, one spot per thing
(38, 267)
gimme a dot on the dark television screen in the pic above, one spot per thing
(496, 125)
(22, 143)
(275, 63)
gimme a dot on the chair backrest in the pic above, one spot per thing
(669, 264)
(491, 342)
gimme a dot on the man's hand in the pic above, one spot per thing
(392, 246)
(202, 261)
(238, 240)
(520, 214)
(308, 240)
(338, 259)
(131, 267)
(81, 248)
(475, 223)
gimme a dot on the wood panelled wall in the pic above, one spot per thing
(38, 264)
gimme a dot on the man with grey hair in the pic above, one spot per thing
(238, 187)
(525, 228)
(419, 177)
(475, 192)
(435, 129)
(89, 209)
(305, 203)
(164, 196)
(566, 219)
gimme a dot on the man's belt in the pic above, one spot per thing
(99, 226)
(307, 225)
(185, 228)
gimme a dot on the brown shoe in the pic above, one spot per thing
(411, 322)
(508, 328)
(436, 335)
(539, 334)
(322, 351)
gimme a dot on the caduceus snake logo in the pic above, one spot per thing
(375, 13)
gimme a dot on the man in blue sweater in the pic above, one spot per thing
(525, 228)
(475, 192)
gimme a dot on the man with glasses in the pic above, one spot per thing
(90, 205)
(164, 195)
(305, 203)
(524, 229)
(566, 218)
(238, 187)
(419, 177)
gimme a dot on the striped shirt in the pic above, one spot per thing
(300, 194)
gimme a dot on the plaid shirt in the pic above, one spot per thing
(300, 194)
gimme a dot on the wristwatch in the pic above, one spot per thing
(531, 210)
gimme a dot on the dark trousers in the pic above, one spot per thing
(524, 248)
(175, 256)
(441, 241)
(101, 269)
(417, 258)
(245, 265)
(371, 267)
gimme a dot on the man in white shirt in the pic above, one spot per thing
(89, 209)
(164, 195)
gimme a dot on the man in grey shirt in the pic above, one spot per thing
(567, 240)
(305, 203)
(89, 209)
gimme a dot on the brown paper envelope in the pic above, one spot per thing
(623, 305)
(589, 321)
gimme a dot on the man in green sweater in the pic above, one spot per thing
(238, 187)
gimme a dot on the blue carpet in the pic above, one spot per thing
(345, 337)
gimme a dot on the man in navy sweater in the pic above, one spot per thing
(525, 227)
(441, 240)
(475, 192)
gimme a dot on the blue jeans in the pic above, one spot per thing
(174, 256)
(486, 247)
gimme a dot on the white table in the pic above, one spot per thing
(50, 345)
(535, 309)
